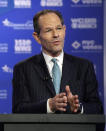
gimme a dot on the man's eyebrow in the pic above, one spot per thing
(59, 25)
(48, 27)
(51, 27)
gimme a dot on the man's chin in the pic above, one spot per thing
(56, 52)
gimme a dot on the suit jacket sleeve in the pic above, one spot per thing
(22, 102)
(91, 101)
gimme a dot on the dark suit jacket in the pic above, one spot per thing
(32, 85)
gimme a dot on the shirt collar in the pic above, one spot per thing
(59, 58)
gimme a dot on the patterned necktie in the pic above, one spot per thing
(56, 75)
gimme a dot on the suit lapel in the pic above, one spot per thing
(44, 73)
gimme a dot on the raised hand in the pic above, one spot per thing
(72, 100)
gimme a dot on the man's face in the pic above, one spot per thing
(52, 34)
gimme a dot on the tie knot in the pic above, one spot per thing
(54, 60)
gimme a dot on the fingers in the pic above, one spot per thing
(74, 104)
(59, 102)
(61, 106)
(62, 109)
(76, 100)
(72, 99)
(67, 88)
(62, 100)
(76, 107)
(61, 95)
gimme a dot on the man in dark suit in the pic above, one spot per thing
(34, 89)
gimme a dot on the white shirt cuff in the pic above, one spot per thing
(48, 108)
(82, 110)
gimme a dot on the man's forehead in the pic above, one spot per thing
(49, 19)
(49, 14)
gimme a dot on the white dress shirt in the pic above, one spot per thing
(50, 64)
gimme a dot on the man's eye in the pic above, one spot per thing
(59, 28)
(48, 30)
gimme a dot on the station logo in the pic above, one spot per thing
(51, 3)
(23, 46)
(85, 3)
(7, 69)
(83, 23)
(86, 45)
(75, 1)
(22, 3)
(3, 47)
(3, 94)
(28, 25)
(76, 44)
(3, 3)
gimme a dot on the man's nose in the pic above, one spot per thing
(55, 34)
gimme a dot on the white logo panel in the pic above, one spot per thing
(23, 46)
(3, 94)
(3, 3)
(86, 45)
(86, 3)
(51, 3)
(3, 47)
(83, 23)
(22, 3)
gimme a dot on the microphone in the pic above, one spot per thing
(46, 78)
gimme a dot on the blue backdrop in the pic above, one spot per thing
(84, 37)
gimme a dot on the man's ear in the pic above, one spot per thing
(64, 26)
(36, 37)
